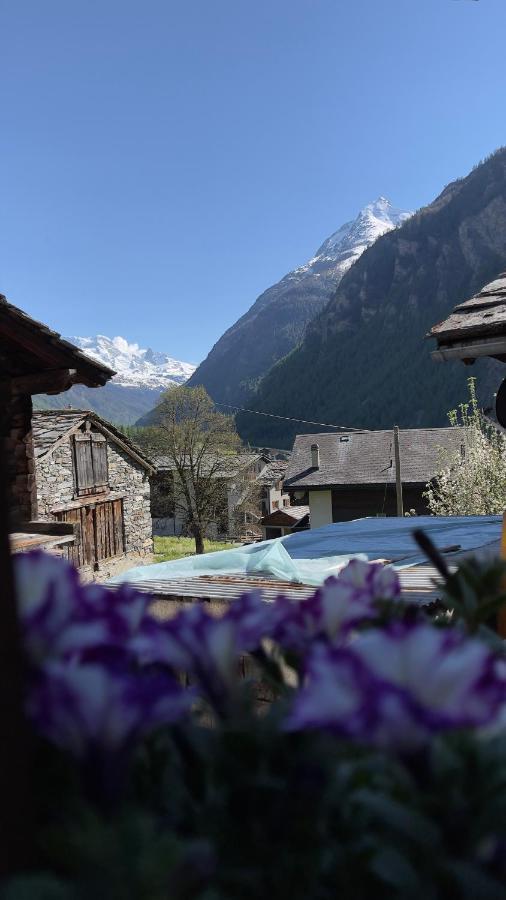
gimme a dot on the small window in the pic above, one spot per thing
(90, 464)
(286, 502)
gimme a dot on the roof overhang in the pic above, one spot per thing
(47, 362)
(469, 350)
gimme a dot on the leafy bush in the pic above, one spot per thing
(361, 753)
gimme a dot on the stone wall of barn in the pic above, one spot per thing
(56, 488)
(16, 432)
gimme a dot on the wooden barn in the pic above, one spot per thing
(33, 360)
(353, 475)
(90, 475)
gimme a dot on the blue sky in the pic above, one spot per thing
(162, 163)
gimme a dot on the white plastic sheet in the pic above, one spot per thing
(309, 557)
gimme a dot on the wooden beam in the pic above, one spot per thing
(471, 349)
(48, 349)
(48, 381)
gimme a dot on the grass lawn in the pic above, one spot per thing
(167, 548)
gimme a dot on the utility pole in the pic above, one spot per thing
(398, 476)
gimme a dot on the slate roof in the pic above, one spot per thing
(478, 320)
(48, 426)
(229, 466)
(28, 346)
(362, 458)
(273, 472)
(294, 514)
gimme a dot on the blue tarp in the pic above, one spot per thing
(309, 557)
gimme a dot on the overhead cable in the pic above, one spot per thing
(257, 412)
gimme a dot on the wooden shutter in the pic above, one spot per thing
(85, 481)
(91, 473)
(99, 460)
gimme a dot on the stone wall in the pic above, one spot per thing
(55, 488)
(16, 432)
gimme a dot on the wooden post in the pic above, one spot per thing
(16, 822)
(501, 617)
(398, 475)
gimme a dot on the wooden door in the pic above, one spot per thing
(100, 532)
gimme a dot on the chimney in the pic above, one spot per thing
(315, 456)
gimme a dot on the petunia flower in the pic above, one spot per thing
(397, 686)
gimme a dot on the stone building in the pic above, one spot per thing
(33, 360)
(89, 474)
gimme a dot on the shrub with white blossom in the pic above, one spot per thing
(472, 480)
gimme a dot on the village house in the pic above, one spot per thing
(285, 521)
(270, 479)
(89, 474)
(33, 360)
(352, 475)
(252, 485)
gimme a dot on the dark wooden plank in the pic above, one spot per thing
(99, 462)
(83, 464)
(118, 526)
(89, 532)
(109, 529)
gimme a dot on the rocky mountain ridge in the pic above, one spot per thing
(364, 361)
(135, 366)
(277, 320)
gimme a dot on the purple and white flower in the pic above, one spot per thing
(397, 686)
(341, 604)
(91, 710)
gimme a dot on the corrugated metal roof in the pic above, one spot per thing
(418, 585)
(360, 458)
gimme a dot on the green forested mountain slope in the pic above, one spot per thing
(276, 322)
(364, 361)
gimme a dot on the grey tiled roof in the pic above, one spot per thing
(295, 512)
(481, 316)
(48, 426)
(368, 457)
(273, 472)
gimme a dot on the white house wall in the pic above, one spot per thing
(320, 503)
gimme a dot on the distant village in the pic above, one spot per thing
(82, 488)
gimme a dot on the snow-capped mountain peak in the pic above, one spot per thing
(135, 366)
(349, 242)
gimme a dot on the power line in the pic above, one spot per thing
(257, 412)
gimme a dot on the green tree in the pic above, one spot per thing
(197, 443)
(472, 481)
